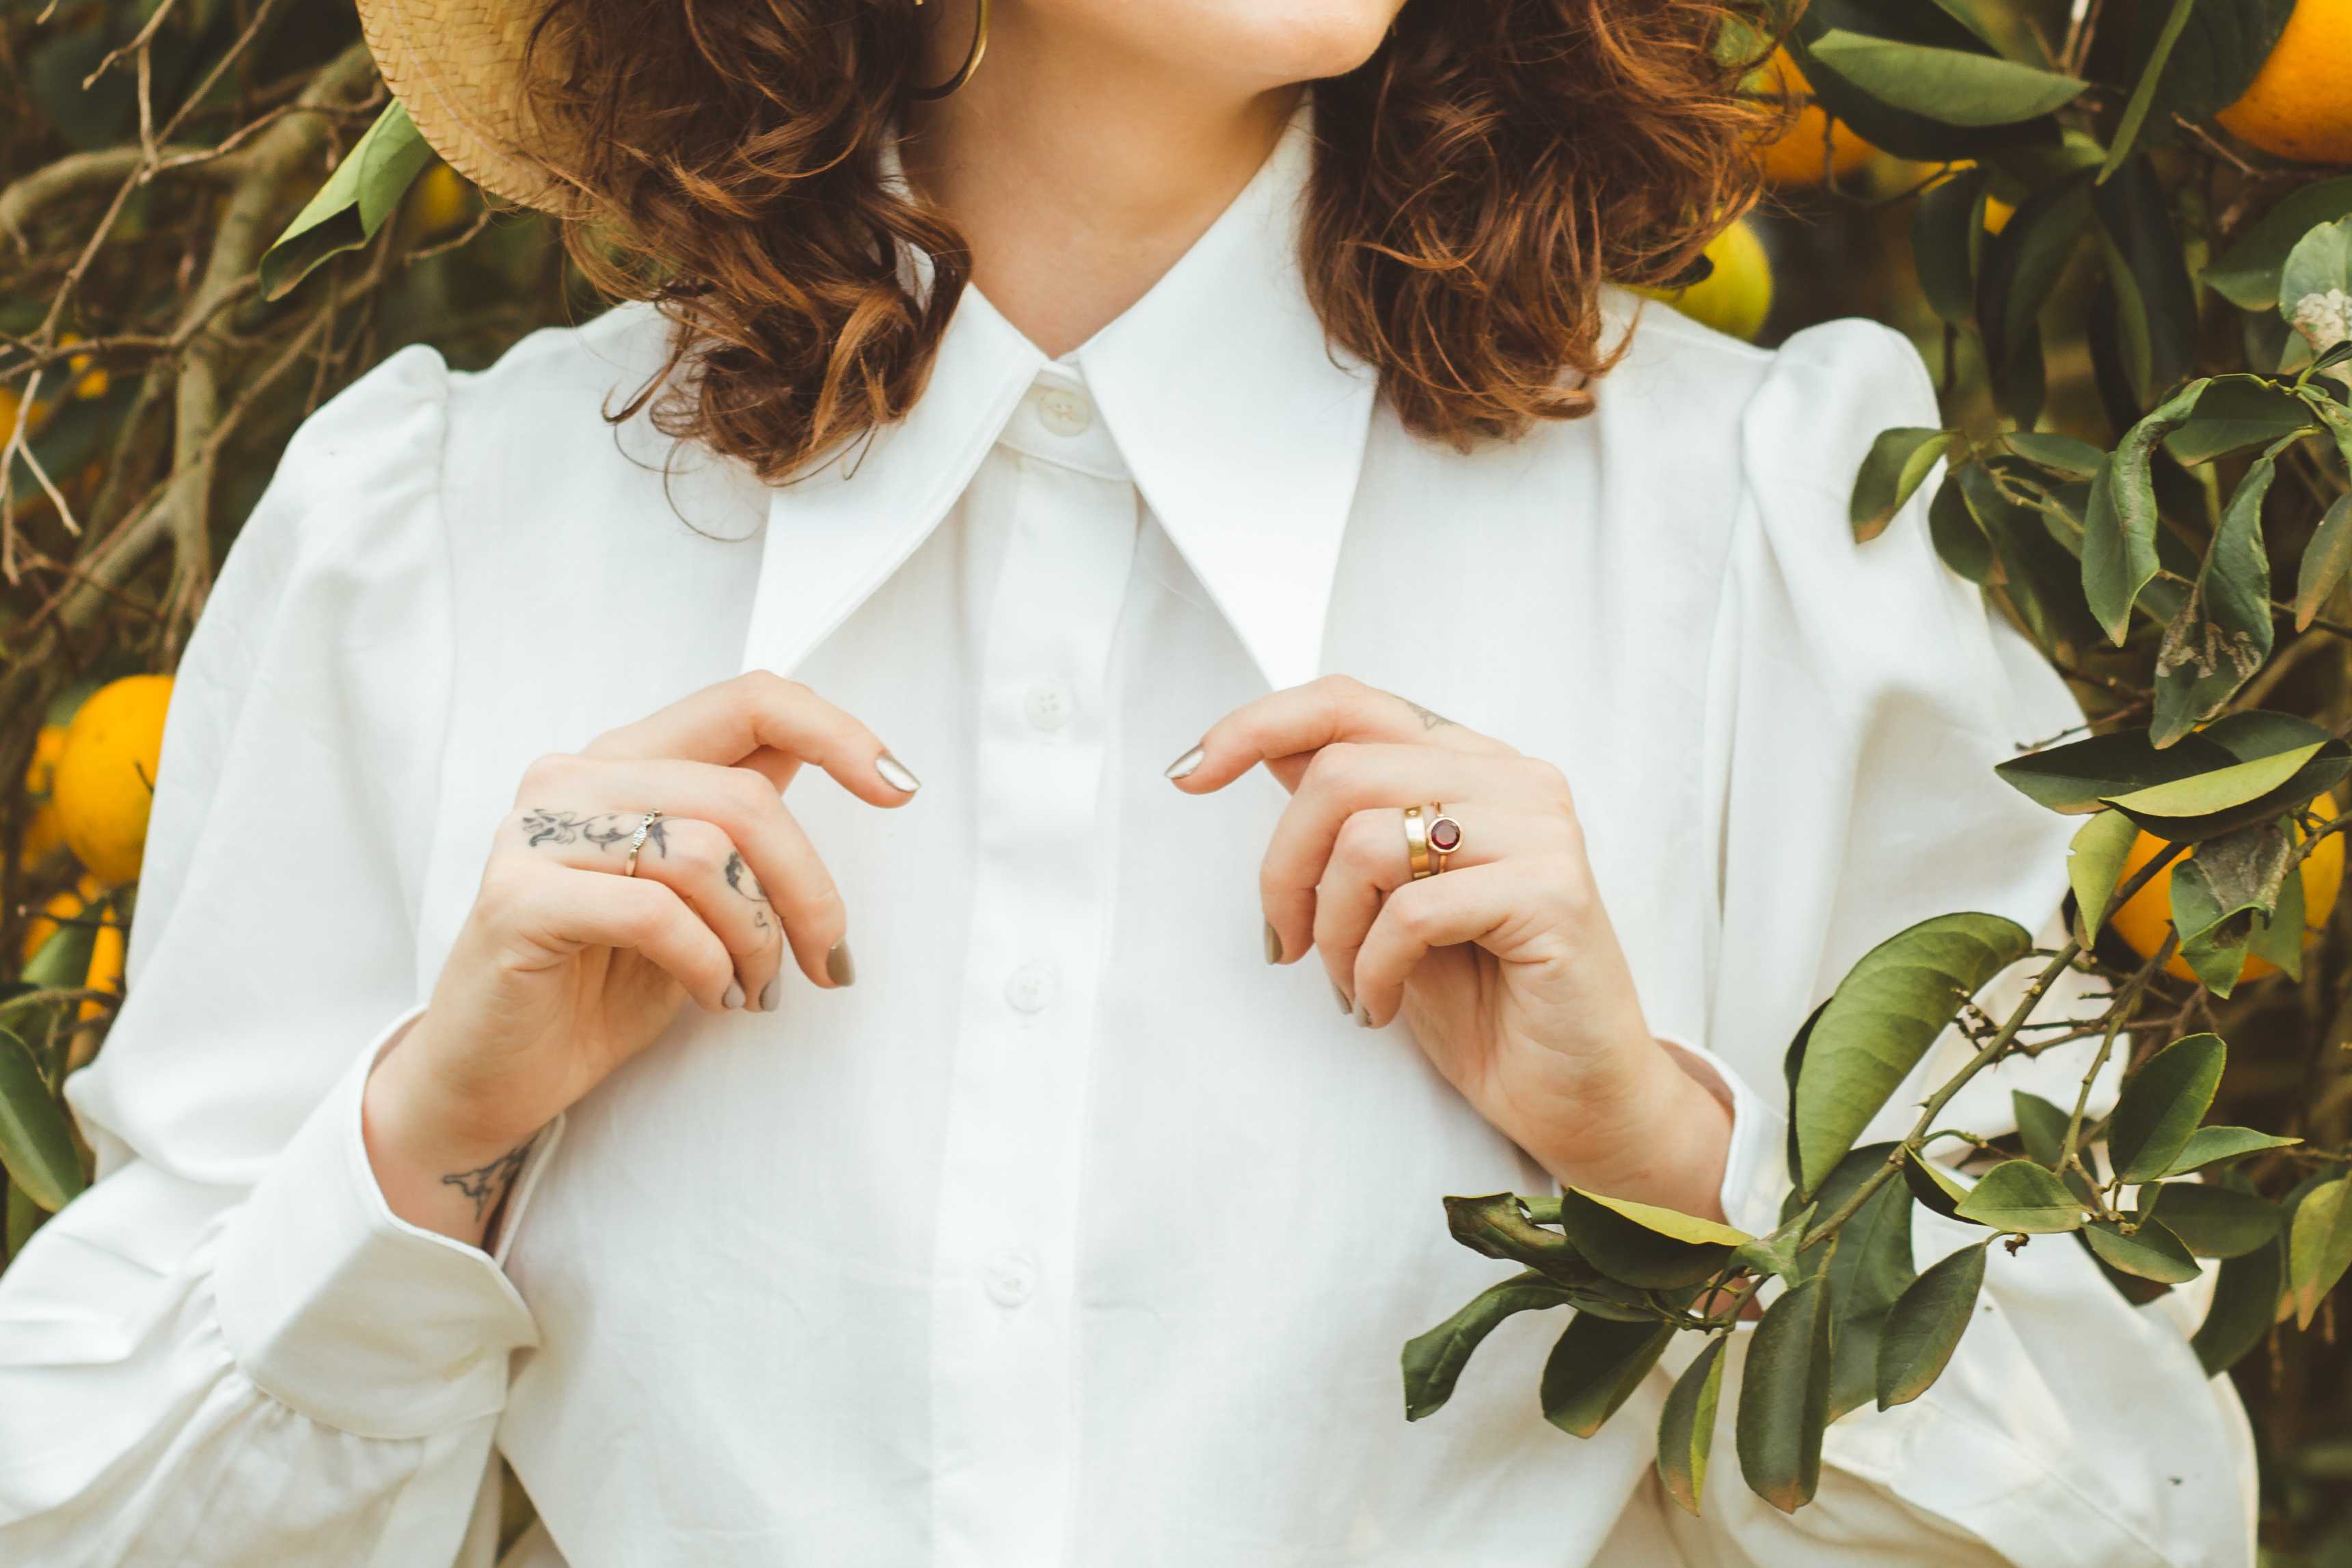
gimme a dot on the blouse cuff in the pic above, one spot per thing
(1755, 1180)
(343, 1312)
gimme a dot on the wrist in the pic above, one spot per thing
(435, 1168)
(1666, 1138)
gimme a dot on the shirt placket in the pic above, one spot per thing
(1004, 1327)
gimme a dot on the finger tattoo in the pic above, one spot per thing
(739, 877)
(1430, 720)
(605, 829)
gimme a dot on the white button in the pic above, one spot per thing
(1064, 411)
(1049, 702)
(1011, 1279)
(1030, 988)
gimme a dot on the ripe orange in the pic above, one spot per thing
(65, 904)
(105, 779)
(2144, 920)
(2299, 104)
(1796, 158)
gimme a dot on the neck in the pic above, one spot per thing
(1078, 175)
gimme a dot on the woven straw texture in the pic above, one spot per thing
(458, 67)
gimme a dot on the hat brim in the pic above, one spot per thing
(460, 67)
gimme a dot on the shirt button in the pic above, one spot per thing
(1049, 702)
(1064, 411)
(1030, 988)
(1011, 1279)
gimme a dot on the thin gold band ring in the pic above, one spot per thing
(645, 830)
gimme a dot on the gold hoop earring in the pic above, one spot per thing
(971, 60)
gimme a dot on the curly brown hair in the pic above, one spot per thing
(1475, 180)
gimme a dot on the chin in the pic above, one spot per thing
(1269, 42)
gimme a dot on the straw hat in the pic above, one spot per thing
(457, 66)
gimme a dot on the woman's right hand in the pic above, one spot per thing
(566, 967)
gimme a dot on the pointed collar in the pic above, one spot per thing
(1244, 428)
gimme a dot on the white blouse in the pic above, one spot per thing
(1073, 1234)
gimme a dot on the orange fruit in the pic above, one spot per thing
(1796, 158)
(441, 201)
(2299, 104)
(108, 943)
(65, 904)
(105, 778)
(2143, 921)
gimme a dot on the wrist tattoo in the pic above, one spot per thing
(486, 1185)
(605, 829)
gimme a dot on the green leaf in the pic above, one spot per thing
(1784, 1397)
(1687, 1426)
(2223, 634)
(1959, 538)
(2214, 1222)
(1897, 128)
(1954, 86)
(1926, 1326)
(36, 1144)
(1897, 465)
(1947, 239)
(2324, 561)
(2246, 1293)
(1651, 1248)
(1434, 1361)
(2094, 864)
(1881, 1020)
(364, 190)
(1498, 1226)
(2319, 1247)
(2149, 1250)
(1595, 1367)
(2278, 936)
(2019, 1195)
(2155, 301)
(2119, 526)
(2206, 793)
(2212, 1145)
(2143, 92)
(2237, 412)
(2040, 1127)
(2224, 44)
(1928, 1184)
(1868, 1270)
(2162, 1105)
(2059, 454)
(2248, 273)
(2314, 283)
(2021, 265)
(2084, 775)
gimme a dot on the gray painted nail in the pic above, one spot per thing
(1345, 1006)
(839, 967)
(1273, 943)
(734, 997)
(1182, 766)
(896, 774)
(768, 994)
(1364, 1017)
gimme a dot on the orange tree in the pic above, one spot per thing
(2121, 232)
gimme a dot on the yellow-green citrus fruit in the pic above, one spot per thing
(1797, 157)
(2299, 104)
(105, 778)
(1735, 298)
(2143, 921)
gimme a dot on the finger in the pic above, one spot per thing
(740, 802)
(1466, 906)
(1369, 861)
(1302, 719)
(772, 725)
(1349, 777)
(695, 859)
(564, 909)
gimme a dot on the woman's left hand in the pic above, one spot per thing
(1504, 966)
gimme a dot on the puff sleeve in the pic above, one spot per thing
(201, 1359)
(1859, 697)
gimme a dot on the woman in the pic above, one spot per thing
(1131, 400)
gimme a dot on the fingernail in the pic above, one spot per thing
(839, 967)
(896, 775)
(768, 994)
(734, 997)
(1345, 1006)
(1182, 766)
(1364, 1017)
(1273, 943)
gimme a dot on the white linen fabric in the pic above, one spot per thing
(1073, 1234)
